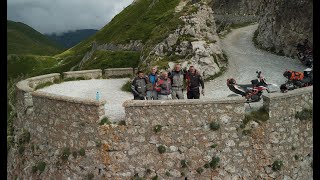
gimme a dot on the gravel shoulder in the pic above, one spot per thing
(244, 59)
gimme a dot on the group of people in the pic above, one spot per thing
(168, 85)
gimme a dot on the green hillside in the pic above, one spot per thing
(23, 40)
(148, 21)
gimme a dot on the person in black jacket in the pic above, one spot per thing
(194, 80)
(138, 86)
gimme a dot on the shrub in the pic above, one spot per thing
(296, 157)
(246, 132)
(126, 87)
(98, 143)
(148, 171)
(21, 149)
(161, 149)
(184, 163)
(155, 177)
(82, 152)
(122, 123)
(214, 162)
(105, 120)
(260, 115)
(157, 128)
(206, 165)
(168, 174)
(305, 114)
(199, 170)
(90, 176)
(276, 166)
(75, 154)
(213, 145)
(57, 80)
(214, 126)
(43, 85)
(34, 169)
(65, 153)
(41, 166)
(24, 138)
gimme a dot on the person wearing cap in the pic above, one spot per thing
(163, 86)
(177, 78)
(194, 81)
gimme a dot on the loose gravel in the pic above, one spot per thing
(244, 59)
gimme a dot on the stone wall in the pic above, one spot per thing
(117, 72)
(283, 105)
(64, 120)
(192, 133)
(285, 23)
(35, 81)
(87, 74)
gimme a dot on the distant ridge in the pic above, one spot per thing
(71, 38)
(23, 40)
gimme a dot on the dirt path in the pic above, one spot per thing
(245, 59)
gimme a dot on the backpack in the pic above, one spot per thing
(293, 75)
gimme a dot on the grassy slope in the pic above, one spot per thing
(22, 39)
(146, 21)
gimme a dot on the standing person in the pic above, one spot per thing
(152, 79)
(194, 80)
(163, 86)
(138, 86)
(177, 77)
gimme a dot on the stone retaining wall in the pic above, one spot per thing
(186, 129)
(114, 72)
(87, 74)
(35, 81)
(282, 105)
(62, 120)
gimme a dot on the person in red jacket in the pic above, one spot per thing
(163, 86)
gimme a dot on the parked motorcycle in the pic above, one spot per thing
(297, 80)
(305, 54)
(252, 92)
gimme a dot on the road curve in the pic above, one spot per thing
(244, 59)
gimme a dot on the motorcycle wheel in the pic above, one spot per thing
(255, 98)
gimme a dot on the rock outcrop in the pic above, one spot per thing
(228, 13)
(196, 42)
(283, 24)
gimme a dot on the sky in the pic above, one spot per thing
(57, 16)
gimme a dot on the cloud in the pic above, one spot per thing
(56, 16)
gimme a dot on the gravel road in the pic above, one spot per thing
(244, 60)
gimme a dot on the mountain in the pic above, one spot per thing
(152, 33)
(23, 39)
(69, 39)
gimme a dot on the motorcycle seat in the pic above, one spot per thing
(246, 86)
(239, 90)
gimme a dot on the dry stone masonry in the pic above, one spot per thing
(200, 139)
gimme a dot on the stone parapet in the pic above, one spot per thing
(281, 105)
(87, 74)
(117, 72)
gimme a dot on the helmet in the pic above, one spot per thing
(287, 74)
(231, 81)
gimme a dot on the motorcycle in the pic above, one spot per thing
(297, 80)
(252, 92)
(305, 54)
